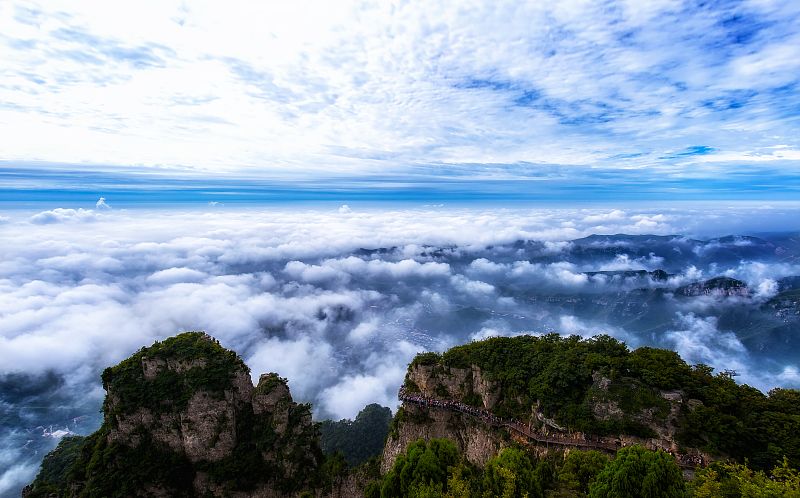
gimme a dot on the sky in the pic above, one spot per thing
(524, 100)
(331, 187)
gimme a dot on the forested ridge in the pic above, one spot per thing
(559, 373)
(753, 436)
(435, 468)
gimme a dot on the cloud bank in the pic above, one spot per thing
(338, 301)
(670, 93)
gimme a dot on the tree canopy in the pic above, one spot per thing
(360, 439)
(562, 375)
(639, 473)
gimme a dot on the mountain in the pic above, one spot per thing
(182, 418)
(718, 286)
(357, 440)
(537, 416)
(591, 393)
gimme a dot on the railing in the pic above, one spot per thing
(684, 460)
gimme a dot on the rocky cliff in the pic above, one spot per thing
(474, 440)
(182, 418)
(716, 287)
(477, 441)
(654, 414)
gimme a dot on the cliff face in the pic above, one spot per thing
(716, 287)
(458, 383)
(476, 441)
(661, 417)
(182, 418)
(479, 440)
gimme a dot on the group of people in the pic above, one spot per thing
(489, 417)
(485, 415)
(448, 404)
(689, 460)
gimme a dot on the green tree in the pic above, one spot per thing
(659, 367)
(732, 480)
(580, 468)
(360, 439)
(510, 474)
(460, 482)
(637, 472)
(422, 469)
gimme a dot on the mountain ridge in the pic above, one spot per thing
(182, 418)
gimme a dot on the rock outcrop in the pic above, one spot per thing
(661, 417)
(182, 418)
(479, 441)
(458, 383)
(716, 287)
(476, 441)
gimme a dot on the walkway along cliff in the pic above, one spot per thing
(527, 435)
(550, 391)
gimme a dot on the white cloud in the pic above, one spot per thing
(361, 88)
(766, 289)
(292, 359)
(475, 287)
(790, 375)
(551, 275)
(102, 204)
(347, 397)
(363, 331)
(302, 292)
(689, 275)
(354, 392)
(62, 215)
(699, 341)
(572, 325)
(558, 274)
(377, 268)
(483, 265)
(176, 275)
(622, 262)
(16, 476)
(611, 216)
(315, 274)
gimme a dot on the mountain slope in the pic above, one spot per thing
(183, 419)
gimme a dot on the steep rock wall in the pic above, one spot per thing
(182, 418)
(475, 440)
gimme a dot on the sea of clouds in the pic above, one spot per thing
(336, 299)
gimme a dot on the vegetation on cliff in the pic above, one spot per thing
(203, 364)
(237, 439)
(636, 472)
(57, 466)
(731, 480)
(423, 469)
(436, 469)
(360, 439)
(182, 418)
(561, 374)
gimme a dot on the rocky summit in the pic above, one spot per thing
(182, 418)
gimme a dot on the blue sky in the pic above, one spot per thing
(503, 100)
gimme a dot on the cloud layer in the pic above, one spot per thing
(669, 94)
(339, 300)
